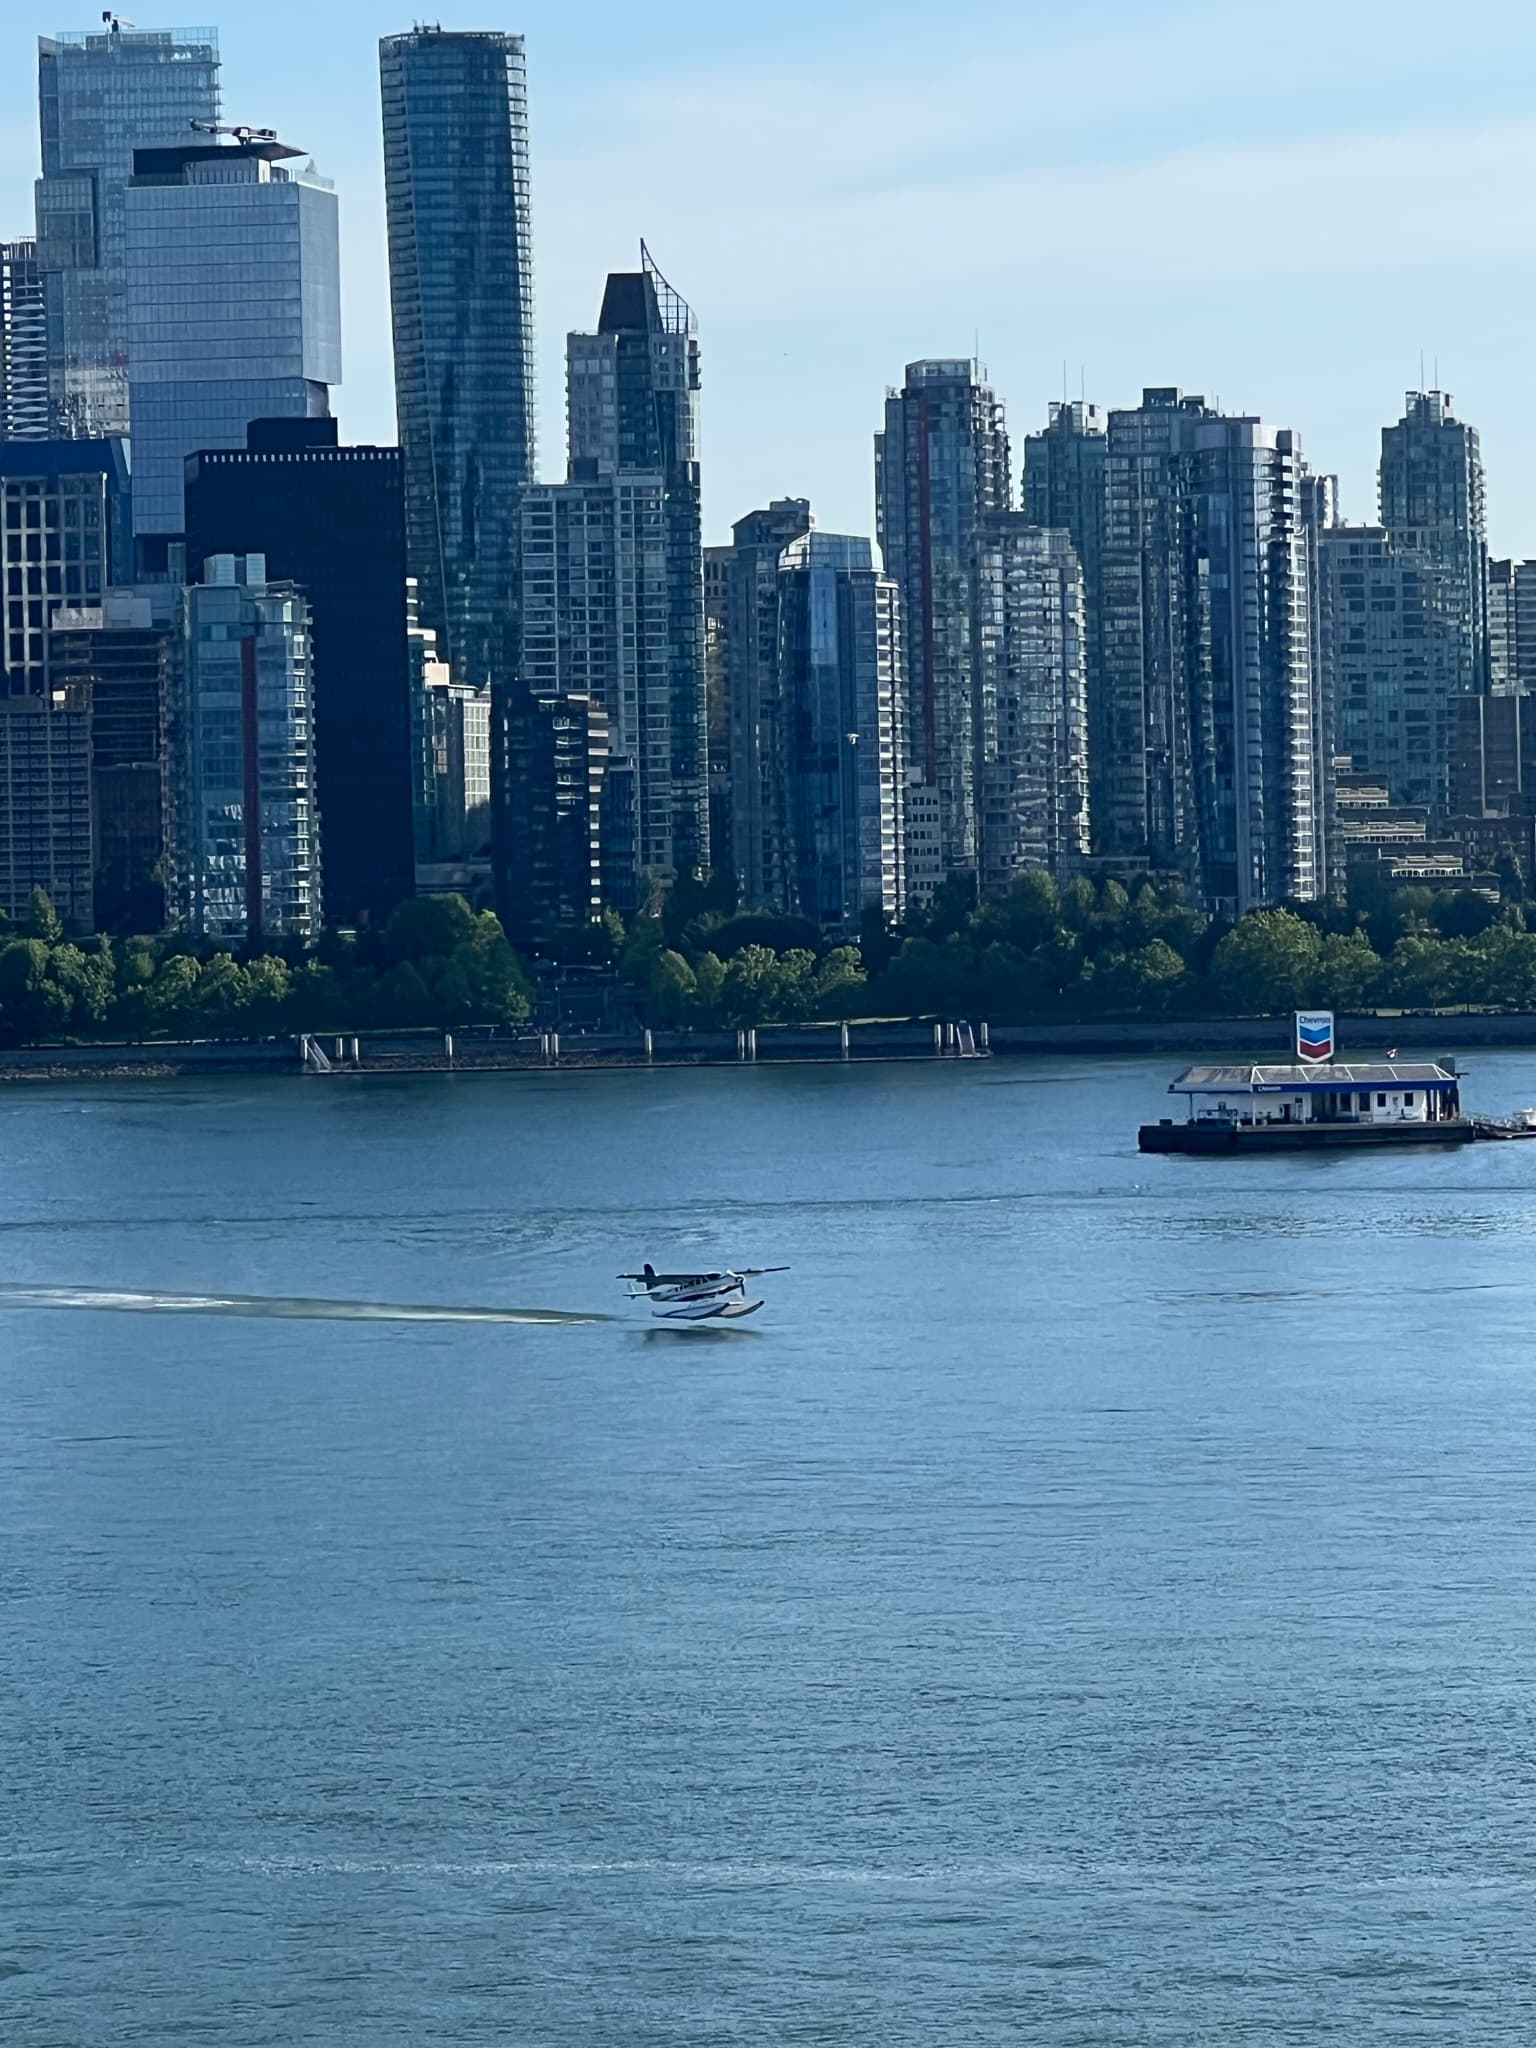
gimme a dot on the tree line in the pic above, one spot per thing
(1079, 952)
(436, 962)
(1043, 953)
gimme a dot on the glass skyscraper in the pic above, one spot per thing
(455, 109)
(841, 681)
(102, 94)
(234, 309)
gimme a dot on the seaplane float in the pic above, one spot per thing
(697, 1297)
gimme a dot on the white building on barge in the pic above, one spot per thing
(1268, 1108)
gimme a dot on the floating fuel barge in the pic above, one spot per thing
(1313, 1104)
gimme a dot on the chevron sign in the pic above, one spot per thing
(1314, 1035)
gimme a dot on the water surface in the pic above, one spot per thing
(1092, 1604)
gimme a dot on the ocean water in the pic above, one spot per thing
(1094, 1603)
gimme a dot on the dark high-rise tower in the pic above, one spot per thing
(329, 520)
(461, 292)
(761, 734)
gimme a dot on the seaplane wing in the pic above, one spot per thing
(651, 1278)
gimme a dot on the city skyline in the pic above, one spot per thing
(1362, 183)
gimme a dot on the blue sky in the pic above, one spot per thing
(1280, 207)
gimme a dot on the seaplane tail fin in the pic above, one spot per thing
(650, 1274)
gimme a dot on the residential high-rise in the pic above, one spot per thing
(455, 109)
(246, 852)
(1432, 499)
(595, 608)
(451, 750)
(1503, 658)
(1524, 649)
(941, 470)
(45, 803)
(234, 310)
(1261, 748)
(119, 652)
(63, 541)
(1064, 491)
(331, 520)
(1395, 648)
(1216, 709)
(834, 775)
(554, 884)
(1144, 799)
(760, 717)
(613, 622)
(24, 408)
(1031, 637)
(102, 94)
(634, 412)
(717, 700)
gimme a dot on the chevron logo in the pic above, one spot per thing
(1314, 1035)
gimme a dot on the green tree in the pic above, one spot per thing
(674, 986)
(1144, 981)
(87, 979)
(172, 995)
(428, 928)
(840, 981)
(709, 989)
(221, 996)
(1422, 972)
(747, 997)
(41, 920)
(32, 1004)
(1266, 963)
(1349, 970)
(269, 982)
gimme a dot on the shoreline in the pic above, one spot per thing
(869, 1044)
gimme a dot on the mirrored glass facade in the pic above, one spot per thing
(234, 308)
(455, 108)
(101, 95)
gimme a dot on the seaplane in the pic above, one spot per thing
(698, 1297)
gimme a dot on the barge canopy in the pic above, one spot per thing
(1396, 1091)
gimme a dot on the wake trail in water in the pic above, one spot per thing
(289, 1308)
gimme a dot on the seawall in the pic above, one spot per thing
(526, 1052)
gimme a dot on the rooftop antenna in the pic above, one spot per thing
(115, 22)
(1421, 369)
